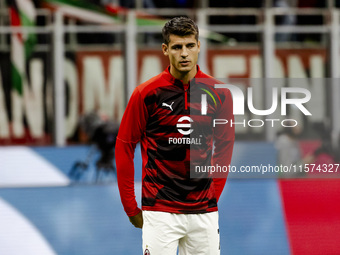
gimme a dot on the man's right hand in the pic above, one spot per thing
(137, 220)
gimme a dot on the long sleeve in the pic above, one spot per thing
(130, 132)
(224, 137)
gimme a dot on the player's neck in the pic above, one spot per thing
(185, 77)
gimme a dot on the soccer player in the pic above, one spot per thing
(177, 211)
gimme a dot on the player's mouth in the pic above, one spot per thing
(184, 63)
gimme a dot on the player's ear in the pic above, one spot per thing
(199, 46)
(165, 49)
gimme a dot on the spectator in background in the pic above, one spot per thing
(310, 19)
(326, 154)
(289, 153)
(288, 147)
(285, 20)
(159, 4)
(237, 19)
(175, 4)
(100, 132)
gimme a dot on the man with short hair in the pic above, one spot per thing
(178, 210)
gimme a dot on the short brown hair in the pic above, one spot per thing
(181, 26)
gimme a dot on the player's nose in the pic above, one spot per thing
(184, 52)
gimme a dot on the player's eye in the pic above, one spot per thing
(177, 47)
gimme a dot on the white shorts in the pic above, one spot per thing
(193, 234)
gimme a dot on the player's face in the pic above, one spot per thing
(183, 53)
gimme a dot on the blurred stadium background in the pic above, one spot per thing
(63, 59)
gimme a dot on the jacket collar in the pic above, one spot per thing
(168, 76)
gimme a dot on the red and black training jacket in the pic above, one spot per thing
(151, 118)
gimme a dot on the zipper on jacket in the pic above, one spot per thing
(186, 88)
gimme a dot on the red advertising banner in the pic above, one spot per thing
(95, 80)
